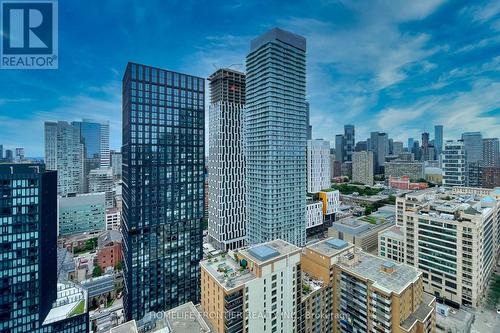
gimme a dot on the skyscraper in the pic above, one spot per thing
(275, 138)
(379, 144)
(29, 288)
(309, 127)
(318, 165)
(425, 147)
(1, 152)
(491, 155)
(64, 152)
(454, 167)
(95, 137)
(163, 190)
(410, 144)
(438, 139)
(473, 145)
(349, 142)
(226, 160)
(339, 148)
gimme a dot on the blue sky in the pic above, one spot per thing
(395, 66)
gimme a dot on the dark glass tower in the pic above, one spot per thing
(28, 251)
(163, 188)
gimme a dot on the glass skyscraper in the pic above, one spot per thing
(29, 292)
(275, 138)
(438, 139)
(163, 188)
(349, 142)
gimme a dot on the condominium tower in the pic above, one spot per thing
(226, 160)
(163, 188)
(438, 140)
(275, 138)
(64, 152)
(491, 155)
(362, 167)
(318, 165)
(349, 142)
(32, 301)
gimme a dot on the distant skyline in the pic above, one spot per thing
(396, 67)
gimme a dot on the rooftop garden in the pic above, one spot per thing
(79, 309)
(348, 189)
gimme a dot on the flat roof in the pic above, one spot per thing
(330, 247)
(280, 246)
(287, 37)
(186, 319)
(227, 271)
(128, 327)
(393, 232)
(263, 252)
(369, 267)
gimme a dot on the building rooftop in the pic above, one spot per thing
(109, 236)
(360, 225)
(371, 267)
(330, 247)
(279, 34)
(99, 285)
(186, 319)
(227, 271)
(82, 200)
(128, 327)
(71, 300)
(393, 232)
(264, 252)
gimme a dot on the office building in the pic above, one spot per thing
(263, 279)
(275, 138)
(101, 180)
(116, 164)
(81, 213)
(391, 244)
(339, 148)
(32, 301)
(379, 145)
(397, 148)
(438, 139)
(361, 146)
(105, 158)
(454, 164)
(491, 155)
(226, 160)
(425, 147)
(373, 294)
(318, 165)
(410, 144)
(349, 142)
(362, 167)
(163, 188)
(363, 231)
(474, 175)
(64, 152)
(473, 146)
(1, 152)
(9, 156)
(452, 238)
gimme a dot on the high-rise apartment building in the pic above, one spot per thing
(116, 164)
(105, 161)
(226, 160)
(473, 146)
(373, 294)
(32, 301)
(264, 279)
(452, 238)
(318, 165)
(275, 138)
(362, 167)
(64, 152)
(349, 142)
(491, 155)
(438, 140)
(163, 161)
(454, 167)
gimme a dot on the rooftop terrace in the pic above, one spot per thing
(227, 271)
(271, 250)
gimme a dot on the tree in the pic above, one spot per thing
(97, 271)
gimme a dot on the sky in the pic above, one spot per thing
(394, 66)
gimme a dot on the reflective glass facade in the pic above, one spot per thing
(28, 245)
(163, 188)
